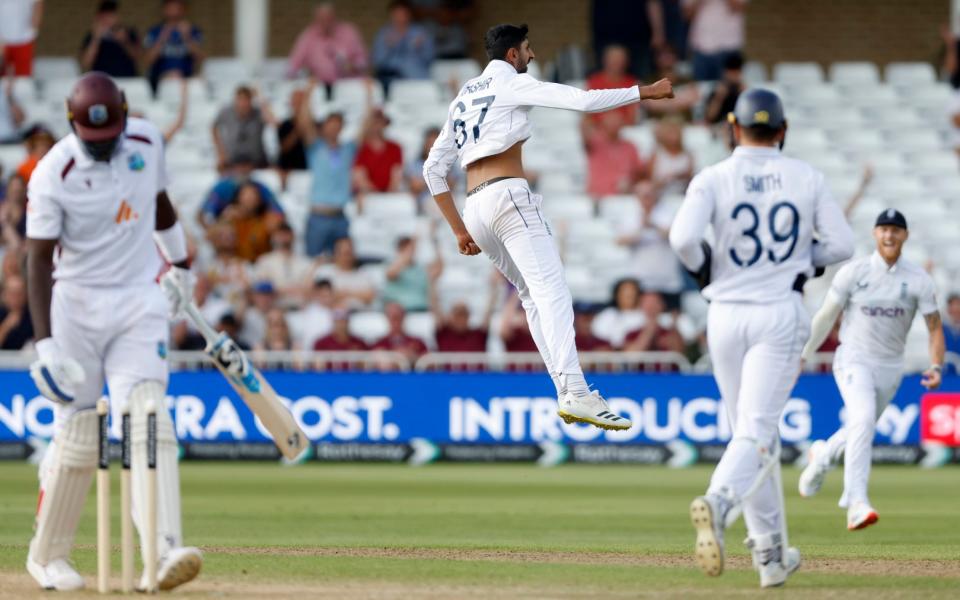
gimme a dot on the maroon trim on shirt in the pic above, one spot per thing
(66, 169)
(140, 138)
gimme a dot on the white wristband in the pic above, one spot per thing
(172, 243)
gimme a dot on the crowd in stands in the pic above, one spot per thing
(276, 283)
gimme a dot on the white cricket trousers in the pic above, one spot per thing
(506, 222)
(866, 390)
(755, 350)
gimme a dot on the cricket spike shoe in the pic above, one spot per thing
(774, 562)
(818, 463)
(177, 567)
(591, 409)
(860, 516)
(707, 513)
(57, 575)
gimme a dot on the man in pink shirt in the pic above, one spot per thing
(613, 163)
(328, 49)
(717, 29)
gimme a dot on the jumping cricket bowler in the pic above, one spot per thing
(879, 295)
(96, 215)
(765, 209)
(486, 126)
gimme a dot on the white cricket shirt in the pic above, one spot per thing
(765, 209)
(102, 213)
(879, 303)
(490, 115)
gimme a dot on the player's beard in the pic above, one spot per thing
(521, 65)
(101, 151)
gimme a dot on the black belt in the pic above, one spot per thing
(486, 183)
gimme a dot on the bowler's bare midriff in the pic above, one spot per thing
(508, 163)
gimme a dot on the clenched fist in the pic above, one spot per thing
(657, 91)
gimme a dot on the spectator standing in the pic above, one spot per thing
(263, 299)
(613, 163)
(379, 163)
(238, 130)
(328, 49)
(354, 288)
(447, 20)
(314, 320)
(622, 316)
(951, 56)
(174, 47)
(671, 166)
(19, 23)
(615, 74)
(110, 47)
(656, 263)
(330, 163)
(402, 49)
(37, 140)
(724, 95)
(717, 30)
(11, 114)
(396, 339)
(407, 282)
(293, 156)
(16, 329)
(287, 271)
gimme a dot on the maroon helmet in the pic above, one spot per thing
(97, 111)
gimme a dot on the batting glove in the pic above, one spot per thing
(55, 375)
(177, 284)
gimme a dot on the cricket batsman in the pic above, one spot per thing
(485, 128)
(766, 210)
(879, 295)
(96, 215)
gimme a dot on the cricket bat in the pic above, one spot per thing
(252, 387)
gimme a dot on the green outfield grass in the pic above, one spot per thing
(510, 530)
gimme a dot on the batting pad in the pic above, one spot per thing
(65, 476)
(169, 534)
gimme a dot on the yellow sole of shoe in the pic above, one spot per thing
(707, 551)
(184, 571)
(570, 419)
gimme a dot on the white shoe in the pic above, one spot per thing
(772, 561)
(177, 567)
(57, 575)
(591, 409)
(860, 516)
(818, 463)
(707, 514)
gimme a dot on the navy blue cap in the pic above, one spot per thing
(892, 216)
(263, 287)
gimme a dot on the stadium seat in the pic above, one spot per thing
(273, 69)
(621, 210)
(754, 72)
(25, 89)
(867, 95)
(55, 67)
(231, 70)
(640, 136)
(910, 74)
(814, 96)
(415, 92)
(841, 118)
(169, 91)
(861, 141)
(584, 286)
(456, 72)
(298, 184)
(11, 155)
(421, 325)
(568, 208)
(369, 326)
(934, 162)
(389, 206)
(918, 140)
(854, 73)
(797, 73)
(269, 178)
(56, 89)
(136, 89)
(807, 138)
(350, 95)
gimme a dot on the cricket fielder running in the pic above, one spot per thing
(879, 295)
(98, 210)
(765, 209)
(485, 129)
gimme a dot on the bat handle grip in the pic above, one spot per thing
(206, 330)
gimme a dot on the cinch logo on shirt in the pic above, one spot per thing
(125, 213)
(879, 311)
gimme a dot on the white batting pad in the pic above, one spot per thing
(65, 476)
(169, 534)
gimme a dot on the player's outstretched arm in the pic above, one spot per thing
(836, 241)
(937, 348)
(528, 91)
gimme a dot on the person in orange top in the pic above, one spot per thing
(37, 140)
(615, 74)
(253, 221)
